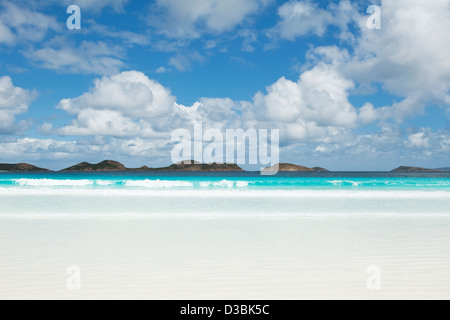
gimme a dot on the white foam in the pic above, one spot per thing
(104, 182)
(53, 183)
(224, 184)
(158, 184)
(339, 183)
(154, 184)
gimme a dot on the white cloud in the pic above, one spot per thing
(88, 58)
(385, 149)
(305, 18)
(125, 105)
(300, 18)
(13, 101)
(22, 24)
(183, 62)
(100, 123)
(59, 154)
(368, 114)
(211, 44)
(131, 115)
(98, 4)
(419, 140)
(161, 70)
(6, 36)
(409, 55)
(132, 93)
(132, 105)
(250, 37)
(135, 115)
(128, 37)
(92, 5)
(190, 19)
(315, 107)
(215, 113)
(36, 149)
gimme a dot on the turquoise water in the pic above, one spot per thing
(252, 181)
(209, 195)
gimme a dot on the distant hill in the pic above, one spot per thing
(193, 166)
(288, 167)
(114, 166)
(104, 166)
(415, 169)
(21, 167)
(444, 169)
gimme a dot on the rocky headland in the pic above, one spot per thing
(288, 167)
(415, 169)
(20, 167)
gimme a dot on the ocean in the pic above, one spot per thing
(331, 235)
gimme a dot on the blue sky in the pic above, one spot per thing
(343, 96)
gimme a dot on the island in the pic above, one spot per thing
(104, 166)
(193, 166)
(21, 167)
(189, 166)
(288, 167)
(415, 169)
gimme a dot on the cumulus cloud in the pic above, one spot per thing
(13, 101)
(130, 104)
(409, 55)
(315, 107)
(127, 104)
(128, 113)
(100, 122)
(190, 19)
(131, 115)
(419, 140)
(132, 93)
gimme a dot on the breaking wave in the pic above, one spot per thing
(232, 183)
